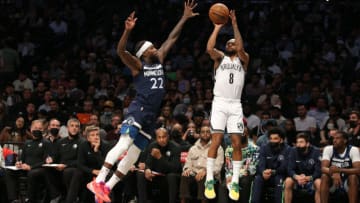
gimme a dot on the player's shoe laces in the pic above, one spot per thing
(233, 191)
(209, 189)
(100, 190)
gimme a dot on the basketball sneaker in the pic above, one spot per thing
(233, 191)
(100, 190)
(209, 189)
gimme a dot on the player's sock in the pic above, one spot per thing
(112, 182)
(210, 168)
(102, 174)
(236, 171)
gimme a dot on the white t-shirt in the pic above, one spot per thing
(354, 153)
(304, 124)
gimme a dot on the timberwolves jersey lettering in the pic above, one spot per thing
(150, 86)
(341, 162)
(229, 79)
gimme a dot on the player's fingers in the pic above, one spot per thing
(193, 6)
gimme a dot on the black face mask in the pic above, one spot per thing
(275, 146)
(54, 131)
(37, 134)
(175, 134)
(352, 124)
(301, 150)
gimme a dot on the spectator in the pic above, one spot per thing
(194, 170)
(10, 60)
(305, 123)
(250, 155)
(23, 82)
(319, 112)
(334, 114)
(176, 136)
(354, 128)
(251, 119)
(106, 115)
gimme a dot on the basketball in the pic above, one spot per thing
(219, 13)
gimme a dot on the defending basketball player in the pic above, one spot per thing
(230, 68)
(147, 71)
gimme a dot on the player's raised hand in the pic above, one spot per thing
(130, 21)
(189, 5)
(232, 16)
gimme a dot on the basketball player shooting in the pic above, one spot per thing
(230, 68)
(147, 71)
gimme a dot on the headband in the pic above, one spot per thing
(143, 48)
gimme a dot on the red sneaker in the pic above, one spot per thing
(100, 190)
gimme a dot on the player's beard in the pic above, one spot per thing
(230, 52)
(154, 59)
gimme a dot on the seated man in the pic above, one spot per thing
(67, 170)
(34, 153)
(250, 155)
(163, 168)
(272, 169)
(91, 156)
(303, 169)
(194, 171)
(340, 167)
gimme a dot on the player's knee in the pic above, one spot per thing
(317, 184)
(236, 139)
(130, 130)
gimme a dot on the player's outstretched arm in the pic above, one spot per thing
(189, 5)
(215, 54)
(239, 41)
(129, 60)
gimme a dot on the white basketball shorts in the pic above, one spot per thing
(226, 113)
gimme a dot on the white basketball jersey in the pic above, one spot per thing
(229, 79)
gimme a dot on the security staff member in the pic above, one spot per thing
(304, 169)
(272, 169)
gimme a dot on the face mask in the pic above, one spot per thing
(175, 134)
(186, 100)
(352, 124)
(275, 146)
(301, 150)
(107, 113)
(37, 134)
(330, 126)
(54, 131)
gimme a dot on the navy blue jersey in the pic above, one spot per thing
(150, 86)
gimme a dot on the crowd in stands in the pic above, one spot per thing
(58, 61)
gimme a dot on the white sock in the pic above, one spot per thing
(236, 171)
(210, 168)
(102, 174)
(112, 182)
